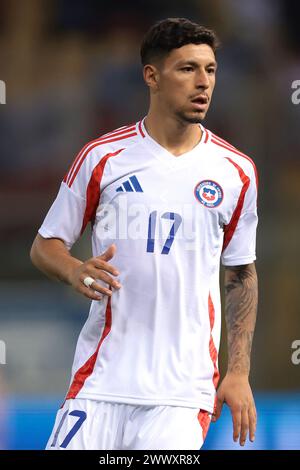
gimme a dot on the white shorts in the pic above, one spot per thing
(83, 424)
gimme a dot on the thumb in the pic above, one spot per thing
(109, 253)
(218, 409)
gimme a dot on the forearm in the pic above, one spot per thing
(241, 292)
(52, 257)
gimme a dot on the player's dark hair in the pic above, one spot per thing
(173, 33)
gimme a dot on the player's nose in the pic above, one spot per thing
(202, 80)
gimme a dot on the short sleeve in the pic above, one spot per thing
(72, 208)
(239, 245)
(65, 217)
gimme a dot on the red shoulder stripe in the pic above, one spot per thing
(120, 131)
(141, 129)
(237, 152)
(93, 190)
(206, 136)
(216, 137)
(230, 228)
(84, 154)
(69, 173)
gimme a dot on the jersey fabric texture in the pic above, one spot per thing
(93, 425)
(155, 342)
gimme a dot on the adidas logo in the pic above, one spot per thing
(130, 186)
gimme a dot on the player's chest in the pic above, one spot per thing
(205, 192)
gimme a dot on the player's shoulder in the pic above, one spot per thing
(226, 150)
(98, 150)
(117, 139)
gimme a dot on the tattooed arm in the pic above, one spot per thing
(240, 314)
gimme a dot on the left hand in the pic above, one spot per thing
(235, 391)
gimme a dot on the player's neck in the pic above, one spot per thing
(176, 137)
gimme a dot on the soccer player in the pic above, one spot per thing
(167, 200)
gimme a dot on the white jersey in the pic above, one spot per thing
(155, 342)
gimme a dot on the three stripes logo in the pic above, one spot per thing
(131, 185)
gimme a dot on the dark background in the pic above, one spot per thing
(72, 73)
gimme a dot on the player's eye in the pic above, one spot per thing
(211, 70)
(187, 68)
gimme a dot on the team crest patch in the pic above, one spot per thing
(209, 193)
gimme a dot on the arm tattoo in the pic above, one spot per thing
(240, 313)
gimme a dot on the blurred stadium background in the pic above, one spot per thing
(72, 72)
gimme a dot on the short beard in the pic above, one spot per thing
(189, 119)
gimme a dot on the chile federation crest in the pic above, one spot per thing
(209, 193)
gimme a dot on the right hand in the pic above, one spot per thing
(97, 268)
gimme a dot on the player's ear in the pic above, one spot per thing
(151, 76)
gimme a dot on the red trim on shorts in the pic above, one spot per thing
(204, 421)
(87, 369)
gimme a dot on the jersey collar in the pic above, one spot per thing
(163, 154)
